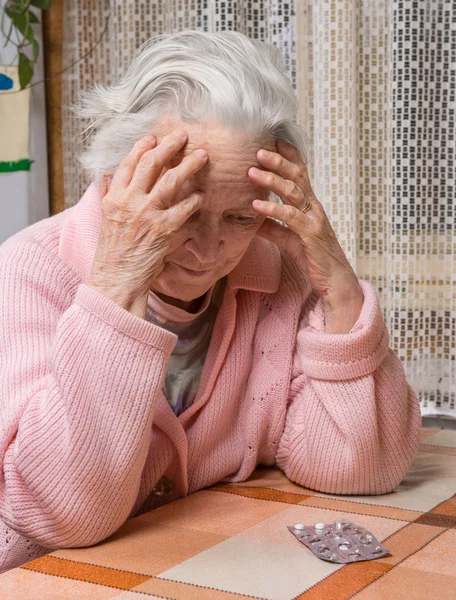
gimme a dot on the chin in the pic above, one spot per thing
(181, 290)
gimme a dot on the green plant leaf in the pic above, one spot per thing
(33, 17)
(43, 4)
(19, 4)
(25, 70)
(20, 22)
(36, 49)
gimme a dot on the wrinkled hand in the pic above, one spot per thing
(308, 238)
(139, 219)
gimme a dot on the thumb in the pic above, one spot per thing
(272, 231)
(283, 237)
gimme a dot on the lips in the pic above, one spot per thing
(193, 271)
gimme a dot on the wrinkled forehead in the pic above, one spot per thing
(231, 153)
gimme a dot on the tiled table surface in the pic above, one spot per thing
(231, 542)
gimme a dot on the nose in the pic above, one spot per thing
(205, 243)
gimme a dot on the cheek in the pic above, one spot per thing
(237, 242)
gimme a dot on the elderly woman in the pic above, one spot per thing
(176, 328)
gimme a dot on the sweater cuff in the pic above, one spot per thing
(120, 319)
(336, 357)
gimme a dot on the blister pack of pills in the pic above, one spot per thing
(340, 542)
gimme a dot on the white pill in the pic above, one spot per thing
(320, 525)
(299, 526)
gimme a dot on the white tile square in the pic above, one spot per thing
(442, 438)
(429, 481)
(253, 568)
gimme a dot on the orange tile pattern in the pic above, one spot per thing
(230, 542)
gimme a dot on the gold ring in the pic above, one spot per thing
(306, 208)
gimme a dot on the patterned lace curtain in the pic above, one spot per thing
(376, 81)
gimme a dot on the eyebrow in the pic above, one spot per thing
(248, 206)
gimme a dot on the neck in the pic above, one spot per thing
(191, 306)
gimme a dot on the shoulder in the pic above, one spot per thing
(45, 233)
(42, 237)
(32, 255)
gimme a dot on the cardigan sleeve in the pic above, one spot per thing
(79, 381)
(352, 424)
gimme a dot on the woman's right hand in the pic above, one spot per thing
(139, 219)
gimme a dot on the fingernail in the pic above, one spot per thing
(182, 134)
(201, 153)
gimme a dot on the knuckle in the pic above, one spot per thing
(290, 212)
(318, 227)
(141, 163)
(127, 163)
(269, 178)
(171, 143)
(110, 205)
(302, 169)
(152, 160)
(171, 178)
(113, 202)
(141, 145)
(291, 189)
(299, 173)
(149, 160)
(277, 161)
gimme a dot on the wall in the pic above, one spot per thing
(24, 196)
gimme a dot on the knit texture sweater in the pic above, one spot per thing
(87, 437)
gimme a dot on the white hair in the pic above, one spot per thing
(237, 81)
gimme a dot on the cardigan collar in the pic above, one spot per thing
(259, 270)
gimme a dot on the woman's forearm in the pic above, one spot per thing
(72, 468)
(342, 312)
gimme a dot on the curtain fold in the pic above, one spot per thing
(376, 83)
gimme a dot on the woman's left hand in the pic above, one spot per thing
(309, 238)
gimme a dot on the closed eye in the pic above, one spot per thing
(242, 219)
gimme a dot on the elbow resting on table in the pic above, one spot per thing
(353, 449)
(73, 536)
(77, 527)
(353, 470)
(349, 480)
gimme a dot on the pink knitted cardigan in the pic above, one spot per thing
(86, 433)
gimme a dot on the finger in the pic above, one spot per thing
(286, 169)
(127, 166)
(173, 180)
(289, 215)
(287, 189)
(289, 152)
(274, 232)
(276, 162)
(151, 163)
(177, 214)
(281, 236)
